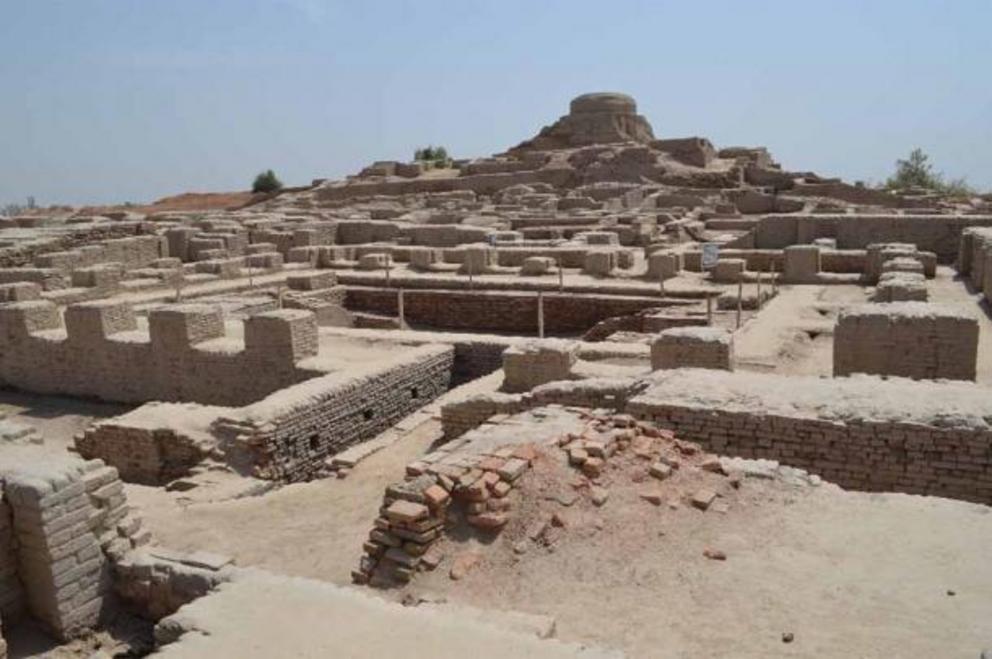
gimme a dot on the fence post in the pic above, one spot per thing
(540, 314)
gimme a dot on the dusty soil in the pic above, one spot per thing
(848, 574)
(57, 419)
(187, 201)
(793, 333)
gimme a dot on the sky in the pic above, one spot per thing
(110, 101)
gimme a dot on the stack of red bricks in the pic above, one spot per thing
(416, 511)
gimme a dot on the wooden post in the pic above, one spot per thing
(759, 290)
(561, 277)
(540, 314)
(774, 280)
(709, 310)
(740, 299)
(389, 263)
(399, 308)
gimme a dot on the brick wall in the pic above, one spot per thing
(934, 233)
(695, 347)
(69, 522)
(184, 356)
(500, 311)
(909, 339)
(293, 431)
(862, 433)
(25, 255)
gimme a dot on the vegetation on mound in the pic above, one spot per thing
(916, 171)
(267, 181)
(436, 156)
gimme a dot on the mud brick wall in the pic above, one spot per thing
(933, 233)
(24, 255)
(292, 432)
(142, 455)
(49, 279)
(473, 359)
(156, 582)
(132, 252)
(769, 260)
(860, 455)
(461, 416)
(975, 258)
(695, 347)
(63, 525)
(11, 594)
(497, 311)
(538, 362)
(184, 356)
(908, 339)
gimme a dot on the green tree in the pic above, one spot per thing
(437, 156)
(917, 172)
(267, 181)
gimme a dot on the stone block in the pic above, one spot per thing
(664, 265)
(91, 322)
(802, 264)
(537, 362)
(908, 339)
(287, 335)
(693, 347)
(729, 270)
(600, 262)
(179, 327)
(311, 281)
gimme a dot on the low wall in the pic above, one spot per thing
(773, 260)
(933, 233)
(70, 522)
(74, 237)
(99, 352)
(290, 433)
(862, 432)
(498, 311)
(907, 339)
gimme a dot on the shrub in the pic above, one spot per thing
(434, 155)
(917, 172)
(267, 181)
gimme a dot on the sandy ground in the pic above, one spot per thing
(793, 333)
(57, 419)
(849, 574)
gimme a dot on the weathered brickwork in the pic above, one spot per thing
(68, 522)
(693, 347)
(498, 311)
(291, 433)
(908, 339)
(185, 355)
(538, 362)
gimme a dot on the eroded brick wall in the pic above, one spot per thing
(185, 355)
(861, 455)
(292, 432)
(500, 311)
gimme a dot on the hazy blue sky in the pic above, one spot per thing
(130, 100)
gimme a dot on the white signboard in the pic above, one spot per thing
(711, 254)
